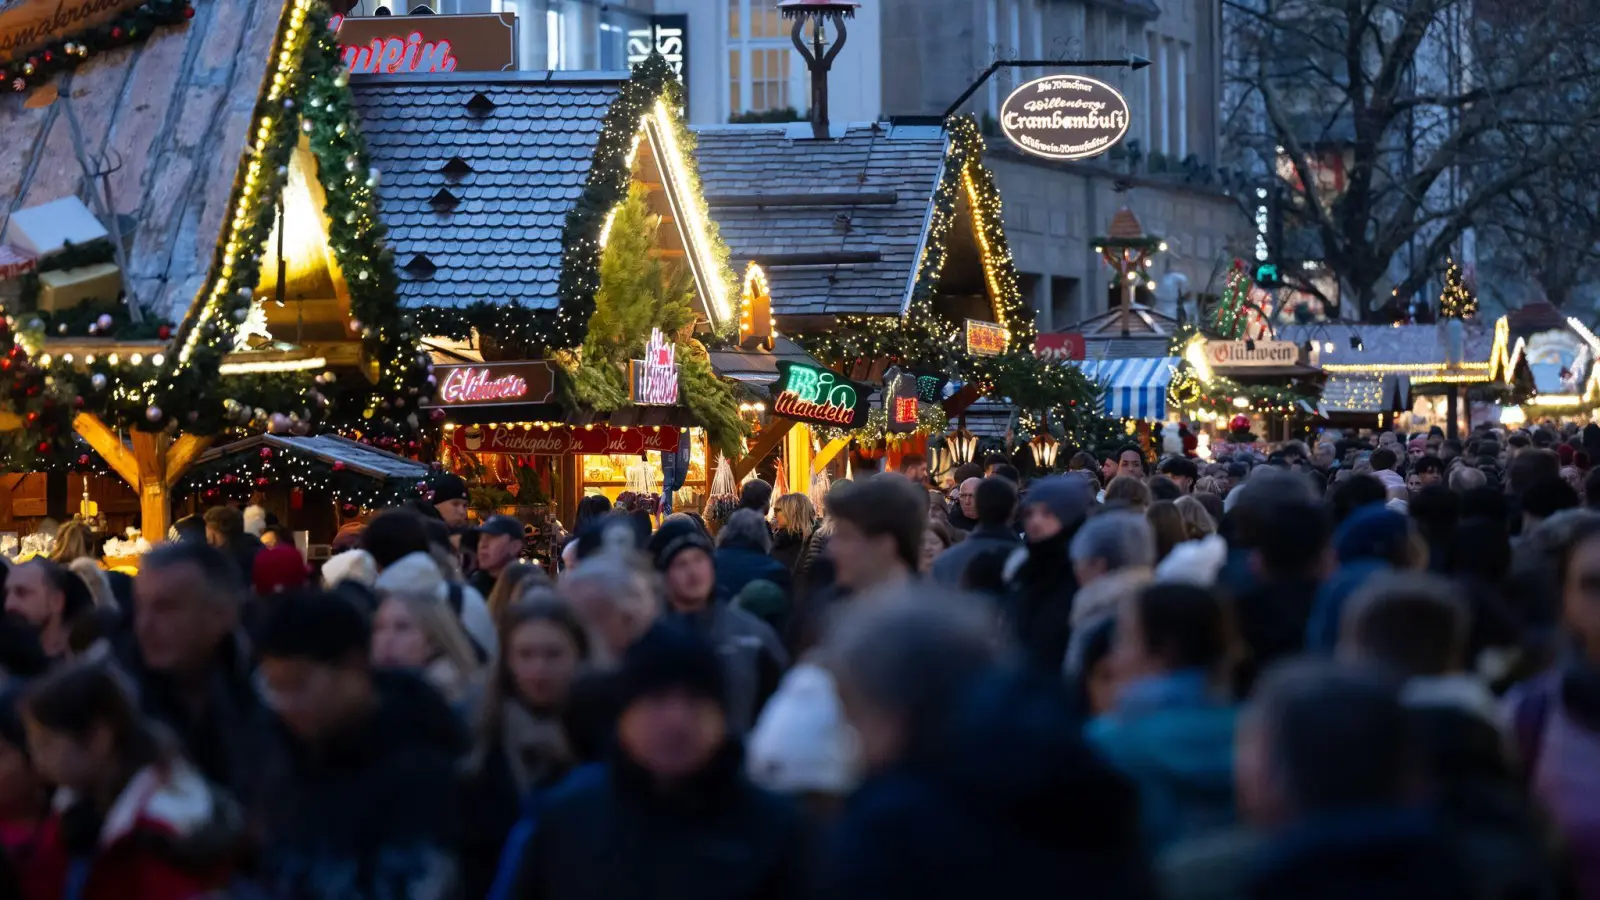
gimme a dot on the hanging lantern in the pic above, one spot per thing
(963, 445)
(1044, 447)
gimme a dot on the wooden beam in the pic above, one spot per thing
(827, 453)
(182, 455)
(110, 447)
(770, 438)
(155, 505)
(10, 421)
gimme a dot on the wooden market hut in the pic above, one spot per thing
(880, 223)
(161, 189)
(499, 194)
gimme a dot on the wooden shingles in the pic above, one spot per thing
(174, 112)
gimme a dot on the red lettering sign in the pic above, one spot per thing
(1059, 347)
(562, 440)
(488, 384)
(905, 409)
(405, 45)
(790, 405)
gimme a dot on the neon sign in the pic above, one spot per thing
(986, 338)
(488, 384)
(426, 45)
(654, 380)
(900, 401)
(811, 394)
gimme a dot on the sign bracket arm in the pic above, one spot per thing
(1134, 62)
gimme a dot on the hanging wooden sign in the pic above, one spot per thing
(493, 384)
(816, 395)
(561, 440)
(986, 338)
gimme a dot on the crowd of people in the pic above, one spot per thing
(1364, 666)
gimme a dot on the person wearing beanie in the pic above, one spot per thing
(750, 650)
(355, 566)
(1041, 583)
(673, 793)
(449, 499)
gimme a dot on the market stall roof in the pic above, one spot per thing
(837, 225)
(1420, 347)
(758, 367)
(479, 173)
(1363, 394)
(1134, 388)
(160, 127)
(331, 448)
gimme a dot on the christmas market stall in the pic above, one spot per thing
(309, 484)
(553, 245)
(884, 253)
(190, 248)
(1412, 377)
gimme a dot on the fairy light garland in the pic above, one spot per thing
(238, 475)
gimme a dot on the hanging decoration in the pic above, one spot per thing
(236, 476)
(131, 27)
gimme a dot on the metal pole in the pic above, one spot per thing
(1133, 61)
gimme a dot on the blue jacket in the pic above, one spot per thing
(1322, 631)
(737, 566)
(1175, 740)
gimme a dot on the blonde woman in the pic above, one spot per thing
(514, 581)
(794, 518)
(1196, 520)
(74, 541)
(415, 628)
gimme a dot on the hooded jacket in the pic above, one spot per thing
(951, 565)
(369, 813)
(752, 657)
(616, 836)
(168, 836)
(739, 564)
(1039, 600)
(1175, 740)
(1003, 798)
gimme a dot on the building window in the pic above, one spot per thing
(555, 28)
(762, 74)
(613, 46)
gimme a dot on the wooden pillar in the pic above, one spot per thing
(827, 453)
(155, 507)
(768, 441)
(569, 471)
(797, 446)
(151, 466)
(1453, 407)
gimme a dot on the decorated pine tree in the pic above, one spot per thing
(1456, 301)
(1230, 317)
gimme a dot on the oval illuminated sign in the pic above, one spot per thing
(1065, 117)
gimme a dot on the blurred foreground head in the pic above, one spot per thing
(901, 659)
(1318, 739)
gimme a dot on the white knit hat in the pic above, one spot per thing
(413, 575)
(802, 743)
(352, 565)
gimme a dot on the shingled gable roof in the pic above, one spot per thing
(514, 167)
(171, 116)
(485, 175)
(837, 225)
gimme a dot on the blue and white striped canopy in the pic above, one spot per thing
(1135, 388)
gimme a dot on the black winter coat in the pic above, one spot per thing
(1370, 855)
(1039, 602)
(370, 815)
(619, 838)
(1002, 800)
(787, 549)
(738, 565)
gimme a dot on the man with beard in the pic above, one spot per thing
(46, 596)
(1042, 588)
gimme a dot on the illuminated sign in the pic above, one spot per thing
(1065, 117)
(986, 338)
(900, 401)
(1247, 354)
(563, 439)
(810, 394)
(489, 384)
(409, 45)
(653, 380)
(667, 35)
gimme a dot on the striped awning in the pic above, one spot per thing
(1135, 388)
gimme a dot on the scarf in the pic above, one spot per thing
(535, 746)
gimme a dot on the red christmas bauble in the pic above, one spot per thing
(32, 417)
(262, 481)
(188, 12)
(165, 331)
(266, 452)
(338, 465)
(116, 34)
(349, 509)
(83, 460)
(44, 446)
(229, 478)
(1239, 423)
